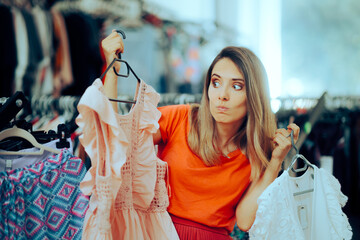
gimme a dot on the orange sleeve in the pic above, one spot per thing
(171, 116)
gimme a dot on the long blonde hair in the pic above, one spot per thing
(259, 126)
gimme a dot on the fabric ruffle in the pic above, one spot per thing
(276, 219)
(270, 206)
(94, 102)
(100, 130)
(160, 228)
(127, 203)
(336, 200)
(150, 114)
(144, 166)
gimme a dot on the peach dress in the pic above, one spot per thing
(126, 181)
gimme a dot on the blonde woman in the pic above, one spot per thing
(221, 154)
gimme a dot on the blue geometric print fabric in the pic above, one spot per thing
(43, 201)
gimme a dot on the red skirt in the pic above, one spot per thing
(189, 230)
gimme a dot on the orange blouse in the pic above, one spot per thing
(207, 195)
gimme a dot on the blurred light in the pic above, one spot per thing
(270, 43)
(275, 105)
(295, 87)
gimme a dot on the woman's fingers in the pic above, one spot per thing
(287, 132)
(281, 140)
(296, 130)
(282, 131)
(282, 145)
(112, 45)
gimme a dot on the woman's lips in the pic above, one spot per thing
(222, 109)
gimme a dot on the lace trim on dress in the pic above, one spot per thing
(141, 200)
(273, 206)
(275, 219)
(341, 228)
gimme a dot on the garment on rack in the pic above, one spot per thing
(35, 54)
(43, 200)
(8, 56)
(43, 24)
(83, 37)
(10, 162)
(63, 74)
(126, 180)
(22, 48)
(313, 215)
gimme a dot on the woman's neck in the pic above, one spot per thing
(225, 133)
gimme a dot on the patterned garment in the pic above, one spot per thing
(43, 200)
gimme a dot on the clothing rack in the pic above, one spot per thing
(10, 107)
(316, 109)
(63, 104)
(315, 114)
(68, 104)
(110, 9)
(308, 112)
(331, 103)
(176, 98)
(48, 104)
(18, 104)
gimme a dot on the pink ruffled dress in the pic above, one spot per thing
(126, 181)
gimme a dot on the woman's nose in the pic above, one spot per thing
(223, 95)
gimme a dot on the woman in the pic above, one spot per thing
(223, 153)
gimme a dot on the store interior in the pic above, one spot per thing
(51, 53)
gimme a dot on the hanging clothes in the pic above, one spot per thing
(8, 56)
(83, 33)
(22, 48)
(10, 162)
(63, 73)
(313, 215)
(35, 54)
(43, 200)
(44, 78)
(126, 181)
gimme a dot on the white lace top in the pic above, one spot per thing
(315, 215)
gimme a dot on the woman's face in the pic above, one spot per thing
(227, 95)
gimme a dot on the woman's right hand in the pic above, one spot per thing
(112, 45)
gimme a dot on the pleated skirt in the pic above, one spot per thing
(189, 230)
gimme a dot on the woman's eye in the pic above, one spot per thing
(215, 83)
(237, 86)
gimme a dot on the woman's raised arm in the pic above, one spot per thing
(112, 45)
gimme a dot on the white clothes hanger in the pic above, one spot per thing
(298, 170)
(21, 133)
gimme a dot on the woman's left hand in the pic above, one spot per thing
(282, 141)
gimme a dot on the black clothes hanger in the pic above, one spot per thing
(307, 164)
(16, 144)
(12, 107)
(128, 70)
(25, 135)
(297, 156)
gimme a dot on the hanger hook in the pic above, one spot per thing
(293, 142)
(122, 33)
